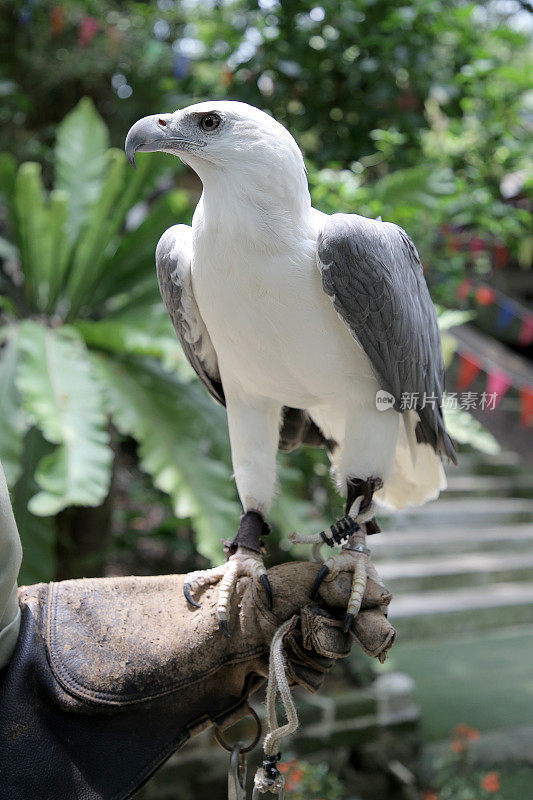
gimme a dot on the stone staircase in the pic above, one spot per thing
(461, 564)
(464, 562)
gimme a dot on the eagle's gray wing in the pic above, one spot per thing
(372, 272)
(173, 267)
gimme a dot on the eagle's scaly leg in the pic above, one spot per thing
(244, 559)
(354, 557)
(350, 532)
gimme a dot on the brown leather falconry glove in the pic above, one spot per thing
(112, 675)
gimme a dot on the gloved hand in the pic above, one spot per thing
(112, 675)
(315, 639)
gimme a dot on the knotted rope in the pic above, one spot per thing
(267, 777)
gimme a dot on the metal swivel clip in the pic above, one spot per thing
(269, 779)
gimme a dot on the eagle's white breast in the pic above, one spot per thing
(275, 332)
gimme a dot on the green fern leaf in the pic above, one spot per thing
(81, 161)
(14, 420)
(183, 444)
(63, 397)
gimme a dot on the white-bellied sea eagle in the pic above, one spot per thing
(309, 328)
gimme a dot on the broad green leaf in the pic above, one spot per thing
(37, 534)
(9, 306)
(81, 161)
(60, 244)
(8, 250)
(63, 397)
(154, 337)
(525, 252)
(34, 231)
(101, 225)
(14, 419)
(448, 345)
(132, 254)
(450, 317)
(295, 508)
(290, 513)
(135, 257)
(465, 429)
(406, 185)
(139, 182)
(132, 303)
(183, 444)
(8, 172)
(41, 222)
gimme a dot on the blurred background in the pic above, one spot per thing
(118, 461)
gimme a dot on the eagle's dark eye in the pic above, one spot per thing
(209, 122)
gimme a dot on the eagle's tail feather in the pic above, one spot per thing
(412, 482)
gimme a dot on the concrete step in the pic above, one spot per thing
(456, 571)
(441, 613)
(519, 484)
(473, 509)
(452, 565)
(482, 679)
(396, 543)
(497, 748)
(472, 462)
(495, 595)
(464, 562)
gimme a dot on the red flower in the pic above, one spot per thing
(455, 243)
(485, 296)
(408, 100)
(57, 20)
(461, 729)
(286, 766)
(87, 29)
(114, 38)
(463, 290)
(465, 732)
(293, 779)
(500, 255)
(462, 736)
(456, 746)
(490, 782)
(430, 796)
(476, 245)
(293, 771)
(226, 76)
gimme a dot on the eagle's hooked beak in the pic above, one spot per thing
(154, 133)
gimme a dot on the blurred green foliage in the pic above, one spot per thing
(304, 780)
(87, 343)
(417, 112)
(86, 339)
(351, 79)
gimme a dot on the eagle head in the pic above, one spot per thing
(226, 134)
